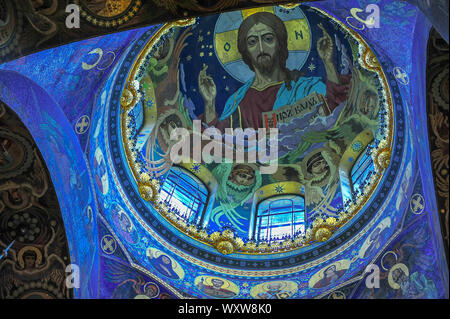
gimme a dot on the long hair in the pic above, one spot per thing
(274, 22)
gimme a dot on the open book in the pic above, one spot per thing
(312, 103)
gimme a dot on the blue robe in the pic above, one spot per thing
(299, 89)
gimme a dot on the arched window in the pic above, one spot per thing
(280, 216)
(185, 193)
(362, 169)
(356, 165)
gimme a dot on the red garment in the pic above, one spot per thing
(338, 93)
(253, 104)
(256, 102)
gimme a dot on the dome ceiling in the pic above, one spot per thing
(339, 219)
(266, 152)
(316, 143)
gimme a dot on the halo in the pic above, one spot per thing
(208, 280)
(225, 39)
(28, 248)
(337, 295)
(391, 281)
(343, 264)
(382, 258)
(154, 253)
(153, 284)
(265, 285)
(384, 224)
(308, 157)
(122, 212)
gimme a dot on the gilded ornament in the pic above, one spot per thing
(225, 247)
(322, 234)
(250, 246)
(238, 242)
(203, 235)
(126, 99)
(263, 247)
(228, 234)
(148, 192)
(191, 229)
(287, 243)
(214, 236)
(331, 222)
(384, 159)
(299, 242)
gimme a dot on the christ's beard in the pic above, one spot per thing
(264, 63)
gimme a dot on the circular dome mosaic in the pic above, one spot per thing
(266, 131)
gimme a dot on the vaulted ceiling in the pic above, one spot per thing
(360, 176)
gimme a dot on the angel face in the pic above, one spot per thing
(330, 272)
(29, 259)
(368, 103)
(165, 260)
(274, 286)
(169, 124)
(125, 223)
(242, 175)
(15, 196)
(317, 165)
(162, 51)
(217, 283)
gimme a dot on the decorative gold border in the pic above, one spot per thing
(226, 242)
(111, 22)
(365, 138)
(14, 36)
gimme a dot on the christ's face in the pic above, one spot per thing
(262, 47)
